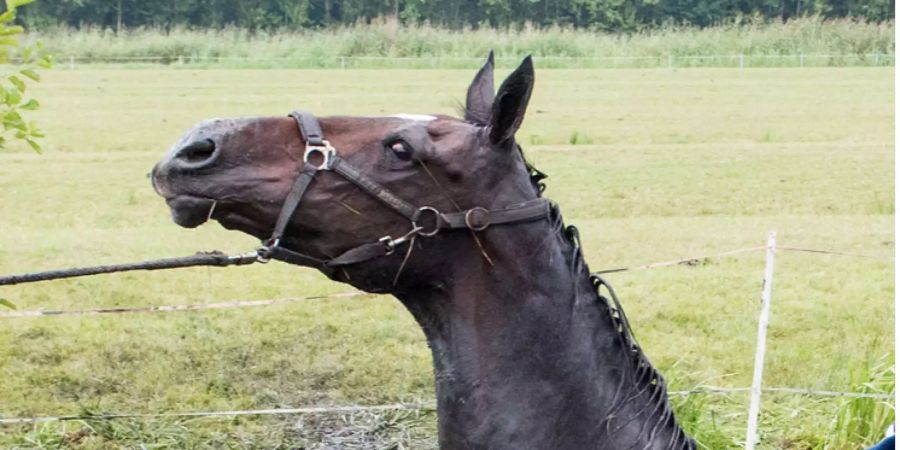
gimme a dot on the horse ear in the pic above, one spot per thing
(481, 93)
(511, 101)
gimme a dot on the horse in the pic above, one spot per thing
(530, 351)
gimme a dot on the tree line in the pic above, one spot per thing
(601, 15)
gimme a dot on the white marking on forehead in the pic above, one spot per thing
(416, 117)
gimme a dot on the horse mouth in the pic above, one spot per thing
(189, 211)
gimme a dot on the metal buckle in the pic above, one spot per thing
(327, 152)
(422, 231)
(471, 218)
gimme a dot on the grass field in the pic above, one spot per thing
(651, 165)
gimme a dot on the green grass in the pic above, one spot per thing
(666, 165)
(865, 419)
(828, 43)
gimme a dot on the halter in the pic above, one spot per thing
(425, 221)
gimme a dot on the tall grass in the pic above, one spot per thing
(864, 419)
(844, 41)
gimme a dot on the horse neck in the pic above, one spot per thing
(527, 355)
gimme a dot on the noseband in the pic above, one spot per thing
(425, 220)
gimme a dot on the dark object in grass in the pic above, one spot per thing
(886, 444)
(527, 353)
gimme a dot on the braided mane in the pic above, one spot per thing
(642, 378)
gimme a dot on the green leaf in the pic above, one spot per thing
(31, 105)
(13, 97)
(35, 131)
(7, 303)
(12, 118)
(11, 30)
(17, 82)
(13, 4)
(34, 145)
(31, 74)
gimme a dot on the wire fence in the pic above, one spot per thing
(755, 390)
(172, 308)
(668, 61)
(417, 406)
(686, 261)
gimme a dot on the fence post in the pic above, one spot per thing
(802, 56)
(877, 58)
(71, 63)
(741, 59)
(756, 389)
(343, 63)
(670, 61)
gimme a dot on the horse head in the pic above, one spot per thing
(240, 171)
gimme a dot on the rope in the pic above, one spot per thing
(692, 260)
(245, 412)
(787, 390)
(172, 308)
(389, 407)
(829, 252)
(782, 390)
(214, 258)
(219, 259)
(697, 259)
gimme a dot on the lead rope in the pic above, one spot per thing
(213, 258)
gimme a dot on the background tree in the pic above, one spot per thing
(605, 15)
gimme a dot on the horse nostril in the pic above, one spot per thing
(197, 154)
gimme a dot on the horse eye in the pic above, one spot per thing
(401, 150)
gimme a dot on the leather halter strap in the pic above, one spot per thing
(475, 219)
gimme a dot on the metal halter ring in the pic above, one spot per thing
(325, 150)
(478, 219)
(264, 251)
(437, 221)
(389, 245)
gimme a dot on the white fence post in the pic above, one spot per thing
(71, 63)
(670, 61)
(756, 389)
(741, 58)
